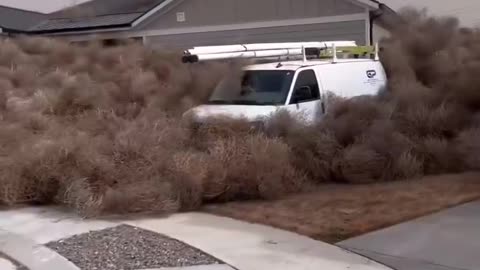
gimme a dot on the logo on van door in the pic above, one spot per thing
(372, 78)
(371, 73)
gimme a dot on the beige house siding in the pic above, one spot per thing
(226, 12)
(379, 33)
(213, 22)
(186, 23)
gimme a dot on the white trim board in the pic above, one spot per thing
(253, 25)
(151, 12)
(366, 3)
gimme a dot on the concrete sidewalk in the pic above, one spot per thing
(26, 235)
(448, 240)
(248, 246)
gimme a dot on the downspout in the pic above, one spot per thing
(371, 29)
(390, 21)
(373, 16)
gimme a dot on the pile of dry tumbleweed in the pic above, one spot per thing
(100, 129)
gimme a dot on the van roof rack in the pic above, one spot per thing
(275, 51)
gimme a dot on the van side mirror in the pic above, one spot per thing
(301, 94)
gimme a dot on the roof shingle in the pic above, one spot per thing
(18, 19)
(86, 23)
(96, 8)
(96, 14)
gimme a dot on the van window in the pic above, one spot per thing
(254, 87)
(306, 87)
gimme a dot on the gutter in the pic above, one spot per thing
(83, 30)
(9, 31)
(373, 16)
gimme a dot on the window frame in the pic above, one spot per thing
(294, 87)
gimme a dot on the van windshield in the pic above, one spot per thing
(254, 87)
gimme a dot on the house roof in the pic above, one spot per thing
(18, 20)
(112, 14)
(98, 14)
(94, 8)
(103, 21)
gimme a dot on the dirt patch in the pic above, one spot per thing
(333, 213)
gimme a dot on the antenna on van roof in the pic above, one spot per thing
(377, 57)
(304, 54)
(335, 59)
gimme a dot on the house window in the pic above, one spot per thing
(121, 41)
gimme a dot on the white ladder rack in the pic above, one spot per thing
(325, 49)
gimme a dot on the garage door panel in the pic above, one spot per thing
(354, 30)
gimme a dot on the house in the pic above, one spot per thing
(185, 23)
(465, 10)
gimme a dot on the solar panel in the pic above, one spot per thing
(87, 22)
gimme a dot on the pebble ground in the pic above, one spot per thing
(128, 248)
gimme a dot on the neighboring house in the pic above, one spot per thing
(185, 23)
(465, 10)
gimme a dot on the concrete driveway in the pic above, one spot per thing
(448, 240)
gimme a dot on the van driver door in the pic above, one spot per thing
(304, 101)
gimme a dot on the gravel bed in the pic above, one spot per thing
(15, 263)
(128, 248)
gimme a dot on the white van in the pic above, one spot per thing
(301, 86)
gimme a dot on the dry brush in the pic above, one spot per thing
(99, 129)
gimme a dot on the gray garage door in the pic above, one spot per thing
(352, 30)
